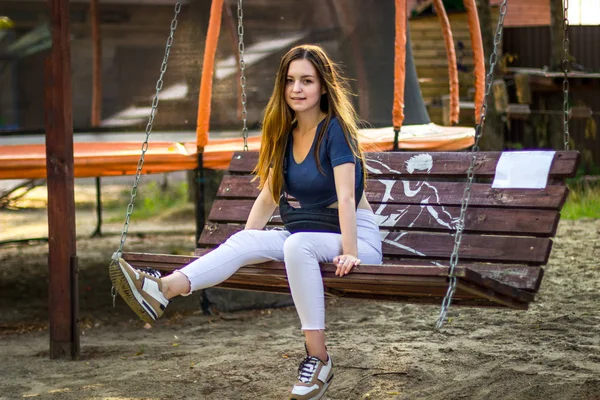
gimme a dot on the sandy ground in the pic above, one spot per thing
(380, 350)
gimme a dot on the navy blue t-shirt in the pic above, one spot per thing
(305, 181)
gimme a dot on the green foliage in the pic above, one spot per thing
(583, 200)
(514, 146)
(154, 199)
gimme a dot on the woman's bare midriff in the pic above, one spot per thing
(364, 204)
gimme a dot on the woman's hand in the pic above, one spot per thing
(345, 263)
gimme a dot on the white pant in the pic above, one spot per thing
(301, 253)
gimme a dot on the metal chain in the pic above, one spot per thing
(566, 66)
(471, 173)
(241, 49)
(138, 172)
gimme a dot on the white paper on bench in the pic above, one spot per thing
(523, 169)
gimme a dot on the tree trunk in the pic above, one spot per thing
(493, 133)
(556, 34)
(554, 100)
(487, 29)
(188, 56)
(191, 52)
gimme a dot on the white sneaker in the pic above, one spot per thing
(141, 289)
(314, 377)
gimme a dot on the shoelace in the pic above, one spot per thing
(307, 369)
(151, 271)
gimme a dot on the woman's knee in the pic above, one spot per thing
(295, 247)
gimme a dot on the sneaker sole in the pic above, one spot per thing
(322, 391)
(121, 283)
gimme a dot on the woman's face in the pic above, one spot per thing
(303, 87)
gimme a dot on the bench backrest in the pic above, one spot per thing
(417, 198)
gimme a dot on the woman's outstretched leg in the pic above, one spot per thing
(148, 294)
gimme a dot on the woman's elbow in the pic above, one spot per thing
(347, 201)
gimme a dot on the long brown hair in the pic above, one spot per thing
(279, 117)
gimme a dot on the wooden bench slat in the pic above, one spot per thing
(422, 245)
(473, 247)
(451, 194)
(525, 222)
(444, 164)
(419, 279)
(485, 287)
(520, 277)
(369, 294)
(404, 285)
(491, 295)
(396, 282)
(431, 192)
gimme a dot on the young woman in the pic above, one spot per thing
(310, 148)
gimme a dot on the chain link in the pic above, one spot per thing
(138, 172)
(240, 13)
(471, 173)
(566, 66)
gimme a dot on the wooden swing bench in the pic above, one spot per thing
(506, 240)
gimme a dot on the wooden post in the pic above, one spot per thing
(97, 65)
(62, 257)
